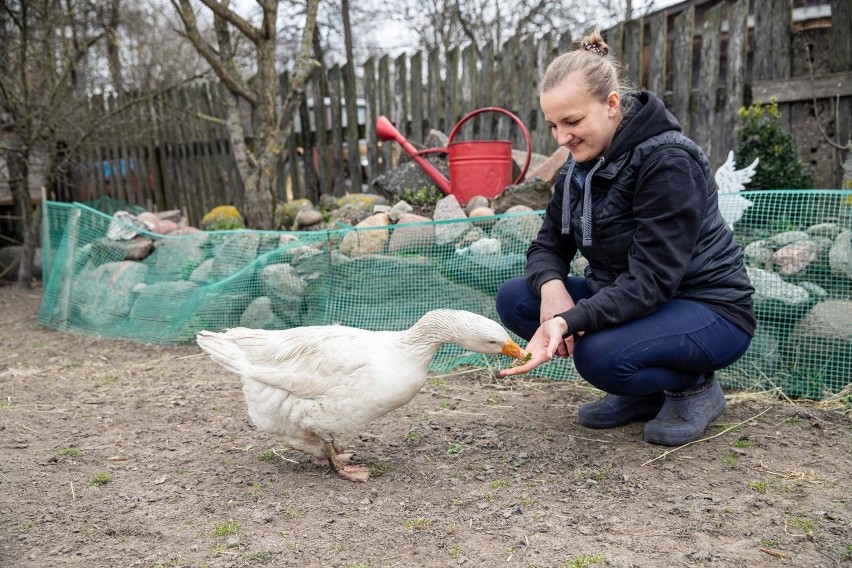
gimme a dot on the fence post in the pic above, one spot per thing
(682, 76)
(736, 70)
(708, 80)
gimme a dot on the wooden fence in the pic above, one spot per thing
(708, 58)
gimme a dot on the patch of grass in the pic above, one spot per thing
(454, 448)
(758, 486)
(743, 443)
(454, 552)
(266, 456)
(770, 542)
(226, 528)
(803, 523)
(498, 483)
(379, 469)
(25, 526)
(494, 401)
(412, 436)
(256, 492)
(101, 478)
(847, 554)
(418, 523)
(262, 557)
(526, 500)
(338, 547)
(70, 451)
(731, 458)
(793, 420)
(584, 561)
(445, 403)
(292, 513)
(294, 546)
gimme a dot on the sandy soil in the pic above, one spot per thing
(120, 454)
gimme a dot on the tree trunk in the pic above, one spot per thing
(18, 164)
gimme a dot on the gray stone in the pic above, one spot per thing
(820, 346)
(176, 259)
(399, 209)
(759, 253)
(236, 251)
(517, 231)
(777, 300)
(840, 255)
(418, 237)
(259, 314)
(104, 295)
(203, 273)
(448, 209)
(163, 303)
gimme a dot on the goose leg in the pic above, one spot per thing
(350, 472)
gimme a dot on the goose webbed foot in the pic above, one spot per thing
(351, 472)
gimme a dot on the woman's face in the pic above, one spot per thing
(579, 122)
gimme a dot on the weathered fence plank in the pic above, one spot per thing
(682, 72)
(735, 76)
(658, 33)
(708, 79)
(353, 131)
(371, 102)
(417, 97)
(337, 156)
(633, 49)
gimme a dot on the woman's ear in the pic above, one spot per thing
(613, 101)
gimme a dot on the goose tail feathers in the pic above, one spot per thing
(221, 349)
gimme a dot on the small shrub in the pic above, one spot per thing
(426, 195)
(762, 136)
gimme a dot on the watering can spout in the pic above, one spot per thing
(387, 131)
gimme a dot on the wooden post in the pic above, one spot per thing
(372, 114)
(633, 39)
(416, 91)
(542, 139)
(486, 88)
(353, 129)
(736, 70)
(708, 81)
(682, 72)
(337, 156)
(658, 51)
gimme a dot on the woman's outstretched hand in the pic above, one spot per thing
(543, 346)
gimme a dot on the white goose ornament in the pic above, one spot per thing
(319, 386)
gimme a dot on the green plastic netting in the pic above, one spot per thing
(163, 289)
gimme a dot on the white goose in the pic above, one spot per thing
(319, 386)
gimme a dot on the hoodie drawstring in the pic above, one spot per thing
(586, 218)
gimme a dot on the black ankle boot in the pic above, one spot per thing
(616, 410)
(686, 414)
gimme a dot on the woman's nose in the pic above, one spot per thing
(563, 137)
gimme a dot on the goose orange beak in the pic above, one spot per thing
(512, 349)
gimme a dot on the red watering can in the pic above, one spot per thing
(477, 167)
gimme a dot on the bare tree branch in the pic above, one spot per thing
(221, 9)
(231, 80)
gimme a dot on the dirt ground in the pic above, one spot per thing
(119, 454)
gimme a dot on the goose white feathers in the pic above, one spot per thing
(319, 386)
(730, 182)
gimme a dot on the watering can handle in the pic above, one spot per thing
(510, 115)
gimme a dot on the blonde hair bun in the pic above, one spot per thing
(594, 42)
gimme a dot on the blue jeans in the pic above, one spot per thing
(669, 349)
